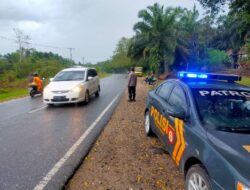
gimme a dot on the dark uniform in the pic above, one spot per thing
(132, 81)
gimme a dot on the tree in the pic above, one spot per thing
(155, 39)
(178, 38)
(188, 42)
(215, 60)
(240, 7)
(21, 40)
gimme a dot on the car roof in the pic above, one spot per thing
(77, 69)
(212, 84)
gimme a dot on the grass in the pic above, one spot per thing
(245, 81)
(103, 75)
(9, 94)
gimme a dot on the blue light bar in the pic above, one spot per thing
(181, 74)
(192, 75)
(204, 76)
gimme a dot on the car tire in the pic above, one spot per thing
(197, 178)
(147, 125)
(97, 94)
(86, 101)
(50, 105)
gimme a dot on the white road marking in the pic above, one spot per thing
(38, 109)
(42, 184)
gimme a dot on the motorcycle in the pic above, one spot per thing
(33, 90)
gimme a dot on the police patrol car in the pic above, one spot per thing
(204, 122)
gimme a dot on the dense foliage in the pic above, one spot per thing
(177, 38)
(45, 64)
(241, 7)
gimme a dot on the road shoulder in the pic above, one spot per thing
(124, 158)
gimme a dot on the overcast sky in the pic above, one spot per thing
(92, 27)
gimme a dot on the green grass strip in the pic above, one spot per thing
(103, 75)
(245, 81)
(9, 94)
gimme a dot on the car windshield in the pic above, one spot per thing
(227, 110)
(70, 76)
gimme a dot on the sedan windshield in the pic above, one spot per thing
(70, 76)
(227, 110)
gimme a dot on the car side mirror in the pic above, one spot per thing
(177, 112)
(90, 78)
(51, 79)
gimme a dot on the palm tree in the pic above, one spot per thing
(188, 44)
(156, 36)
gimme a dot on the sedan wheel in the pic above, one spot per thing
(87, 97)
(98, 92)
(197, 179)
(148, 129)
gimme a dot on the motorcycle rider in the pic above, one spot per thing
(37, 83)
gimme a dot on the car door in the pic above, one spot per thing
(174, 139)
(96, 80)
(90, 81)
(158, 107)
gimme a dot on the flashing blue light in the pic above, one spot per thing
(202, 76)
(192, 75)
(211, 76)
(181, 74)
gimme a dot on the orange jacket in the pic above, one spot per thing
(38, 82)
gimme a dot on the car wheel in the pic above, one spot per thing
(97, 94)
(50, 105)
(147, 125)
(197, 179)
(87, 97)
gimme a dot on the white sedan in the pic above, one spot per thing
(72, 85)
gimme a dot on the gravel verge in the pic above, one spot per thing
(124, 158)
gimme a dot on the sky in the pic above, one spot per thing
(92, 27)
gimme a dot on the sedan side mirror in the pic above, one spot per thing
(177, 112)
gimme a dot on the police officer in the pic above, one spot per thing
(132, 81)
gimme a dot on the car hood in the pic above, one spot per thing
(62, 85)
(234, 147)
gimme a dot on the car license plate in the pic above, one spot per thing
(59, 97)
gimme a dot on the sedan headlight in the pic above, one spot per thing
(45, 90)
(77, 89)
(241, 186)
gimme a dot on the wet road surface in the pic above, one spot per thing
(34, 137)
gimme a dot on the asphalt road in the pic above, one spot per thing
(34, 137)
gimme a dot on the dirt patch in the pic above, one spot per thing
(124, 158)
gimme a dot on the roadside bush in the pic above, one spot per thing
(216, 60)
(23, 69)
(9, 76)
(50, 70)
